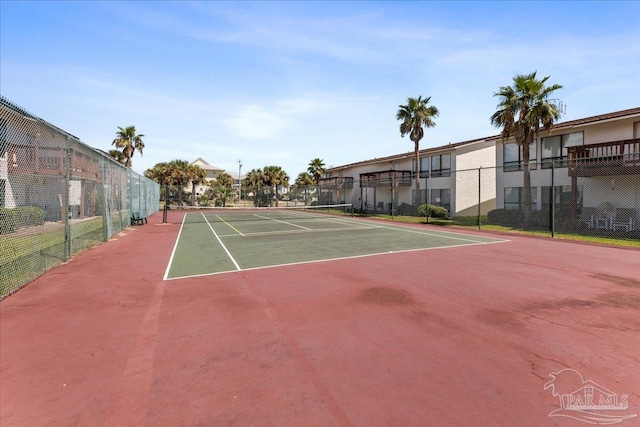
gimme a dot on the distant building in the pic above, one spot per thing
(212, 174)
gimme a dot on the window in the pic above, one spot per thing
(3, 184)
(554, 148)
(514, 198)
(424, 167)
(561, 198)
(441, 165)
(512, 156)
(442, 198)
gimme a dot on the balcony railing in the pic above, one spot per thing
(606, 158)
(386, 178)
(38, 160)
(336, 183)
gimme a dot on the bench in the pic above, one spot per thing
(137, 219)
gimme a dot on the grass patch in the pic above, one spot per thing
(31, 251)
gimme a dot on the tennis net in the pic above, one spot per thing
(232, 214)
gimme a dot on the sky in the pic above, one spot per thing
(282, 83)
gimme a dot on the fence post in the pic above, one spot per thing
(553, 199)
(479, 198)
(106, 212)
(67, 207)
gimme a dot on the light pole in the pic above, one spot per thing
(239, 180)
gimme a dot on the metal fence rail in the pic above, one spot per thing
(58, 196)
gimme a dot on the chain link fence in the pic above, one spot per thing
(58, 197)
(585, 196)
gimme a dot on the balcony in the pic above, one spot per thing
(606, 158)
(38, 160)
(386, 178)
(336, 183)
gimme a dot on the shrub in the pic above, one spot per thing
(433, 211)
(407, 210)
(30, 215)
(12, 219)
(506, 217)
(8, 221)
(540, 219)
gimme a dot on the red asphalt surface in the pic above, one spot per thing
(461, 336)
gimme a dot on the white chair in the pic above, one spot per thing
(588, 217)
(604, 215)
(624, 219)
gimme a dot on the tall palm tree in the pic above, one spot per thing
(316, 169)
(161, 173)
(223, 187)
(253, 182)
(180, 176)
(117, 155)
(304, 178)
(129, 142)
(415, 116)
(274, 177)
(303, 182)
(525, 109)
(197, 176)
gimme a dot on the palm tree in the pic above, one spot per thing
(316, 169)
(304, 181)
(253, 182)
(117, 155)
(414, 116)
(274, 177)
(525, 109)
(223, 187)
(129, 142)
(197, 176)
(180, 176)
(161, 173)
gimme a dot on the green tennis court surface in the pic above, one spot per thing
(220, 241)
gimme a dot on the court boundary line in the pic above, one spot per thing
(444, 234)
(338, 259)
(221, 244)
(307, 230)
(283, 222)
(218, 216)
(175, 247)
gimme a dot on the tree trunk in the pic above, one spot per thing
(417, 200)
(526, 143)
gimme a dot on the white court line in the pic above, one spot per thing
(237, 231)
(283, 222)
(341, 258)
(444, 234)
(221, 244)
(312, 230)
(175, 246)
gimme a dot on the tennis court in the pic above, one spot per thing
(213, 241)
(326, 320)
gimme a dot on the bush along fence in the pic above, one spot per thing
(58, 196)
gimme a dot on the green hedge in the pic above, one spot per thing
(433, 211)
(538, 220)
(12, 219)
(508, 217)
(407, 210)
